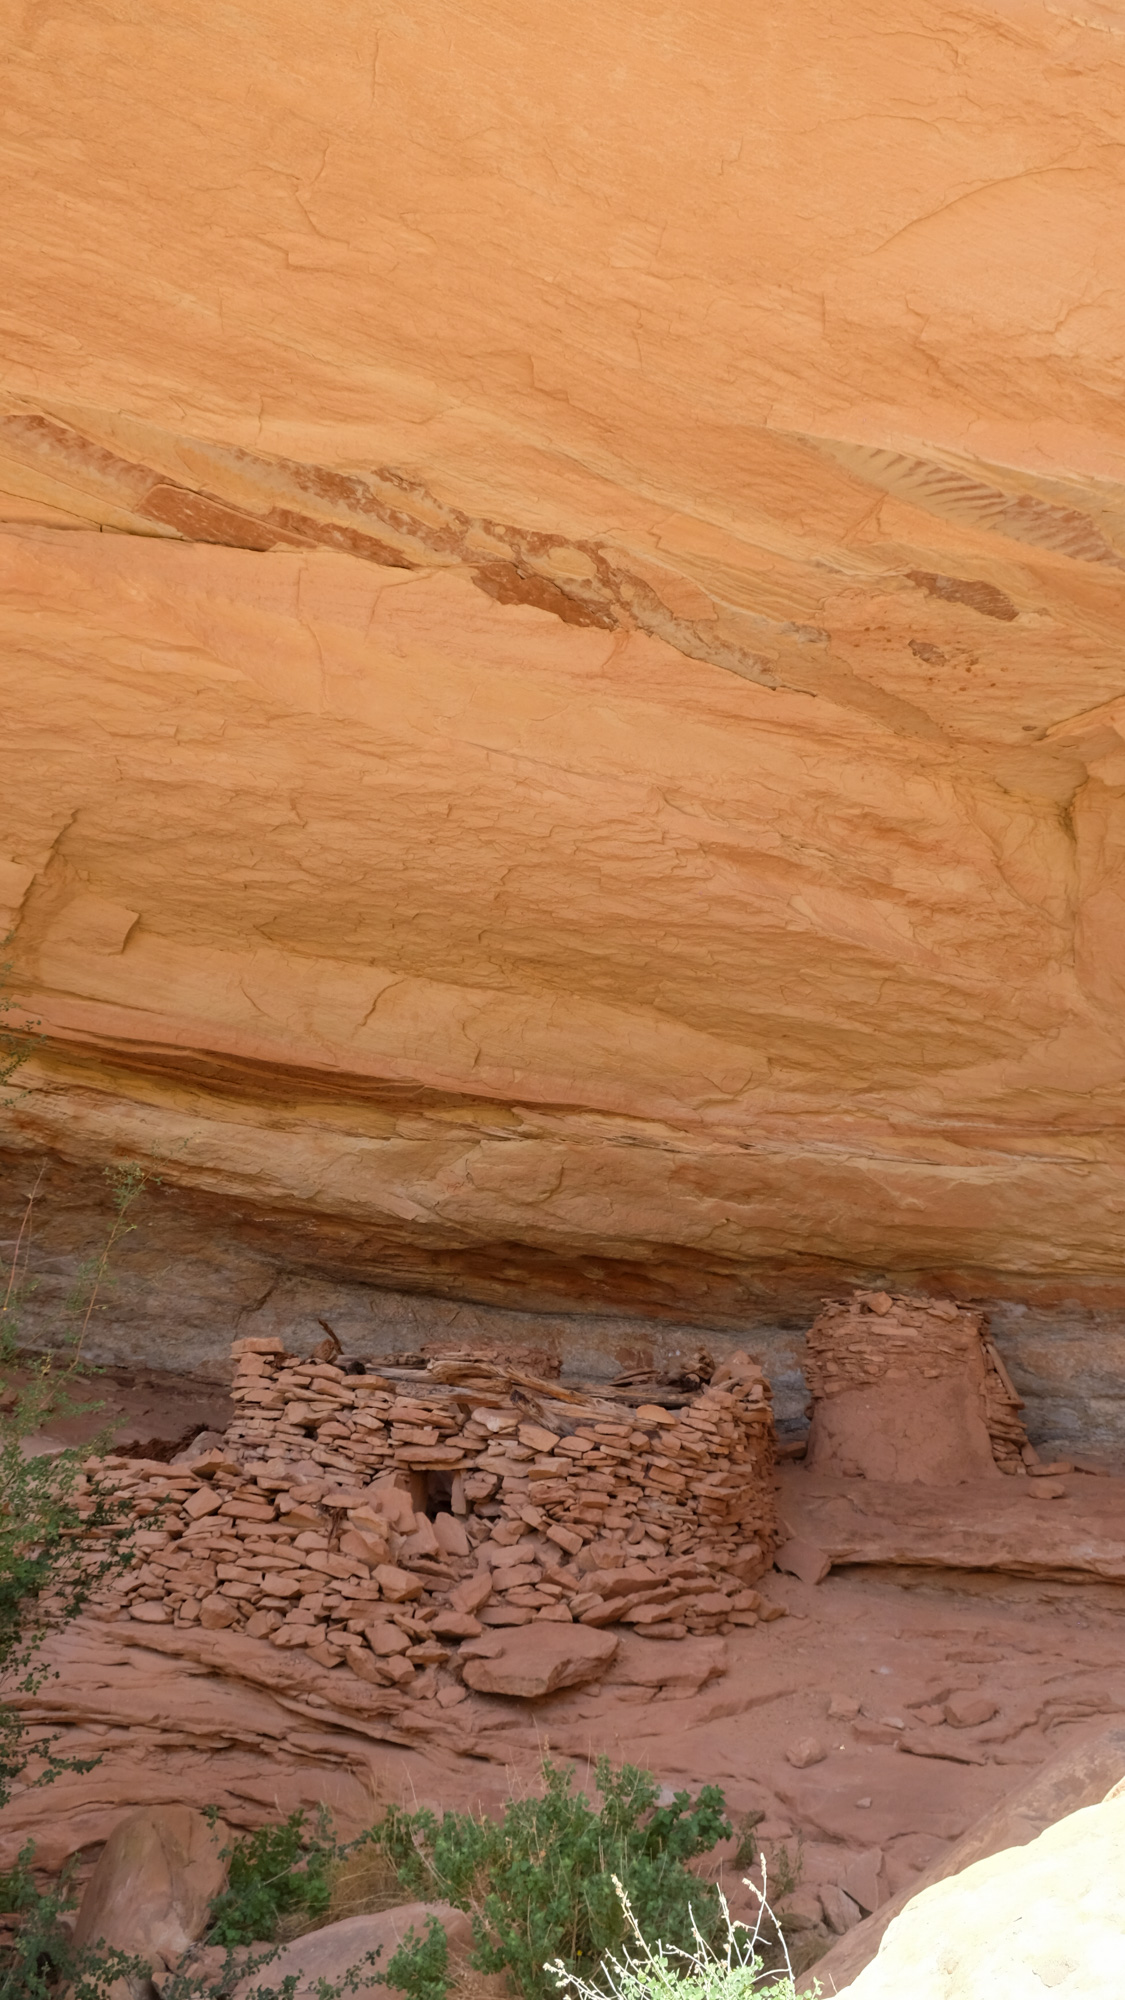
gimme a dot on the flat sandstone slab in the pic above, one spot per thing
(998, 1524)
(535, 1660)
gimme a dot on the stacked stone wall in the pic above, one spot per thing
(379, 1523)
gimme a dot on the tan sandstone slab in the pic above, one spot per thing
(1048, 1917)
(362, 1945)
(1073, 1779)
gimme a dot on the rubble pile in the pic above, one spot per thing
(381, 1524)
(878, 1338)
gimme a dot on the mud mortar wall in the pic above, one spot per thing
(703, 1475)
(908, 1388)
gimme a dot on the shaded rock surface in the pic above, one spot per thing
(330, 1953)
(151, 1891)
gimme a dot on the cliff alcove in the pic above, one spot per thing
(564, 776)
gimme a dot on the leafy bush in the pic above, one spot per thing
(50, 1514)
(43, 1963)
(57, 1539)
(538, 1883)
(277, 1872)
(420, 1966)
(46, 1578)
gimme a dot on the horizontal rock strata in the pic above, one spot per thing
(1066, 1531)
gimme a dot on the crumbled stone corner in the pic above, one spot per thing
(384, 1524)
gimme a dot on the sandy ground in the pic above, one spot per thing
(140, 1410)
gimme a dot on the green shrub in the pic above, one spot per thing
(277, 1872)
(61, 1535)
(420, 1966)
(42, 1961)
(538, 1883)
(50, 1513)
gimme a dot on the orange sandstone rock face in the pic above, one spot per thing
(561, 605)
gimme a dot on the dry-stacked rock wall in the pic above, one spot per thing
(380, 1525)
(910, 1388)
(701, 1473)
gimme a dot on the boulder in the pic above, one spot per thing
(473, 1594)
(969, 1711)
(450, 1535)
(1045, 1918)
(802, 1909)
(397, 1585)
(1079, 1776)
(455, 1625)
(386, 1639)
(152, 1889)
(803, 1560)
(864, 1881)
(805, 1751)
(534, 1660)
(329, 1954)
(841, 1911)
(363, 1546)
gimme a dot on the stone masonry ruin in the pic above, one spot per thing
(384, 1524)
(910, 1389)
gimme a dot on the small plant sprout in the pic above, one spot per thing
(127, 1183)
(730, 1969)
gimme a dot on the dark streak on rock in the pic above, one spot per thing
(973, 592)
(418, 531)
(510, 585)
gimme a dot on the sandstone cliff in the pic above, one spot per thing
(562, 574)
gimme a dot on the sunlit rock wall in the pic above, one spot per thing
(562, 598)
